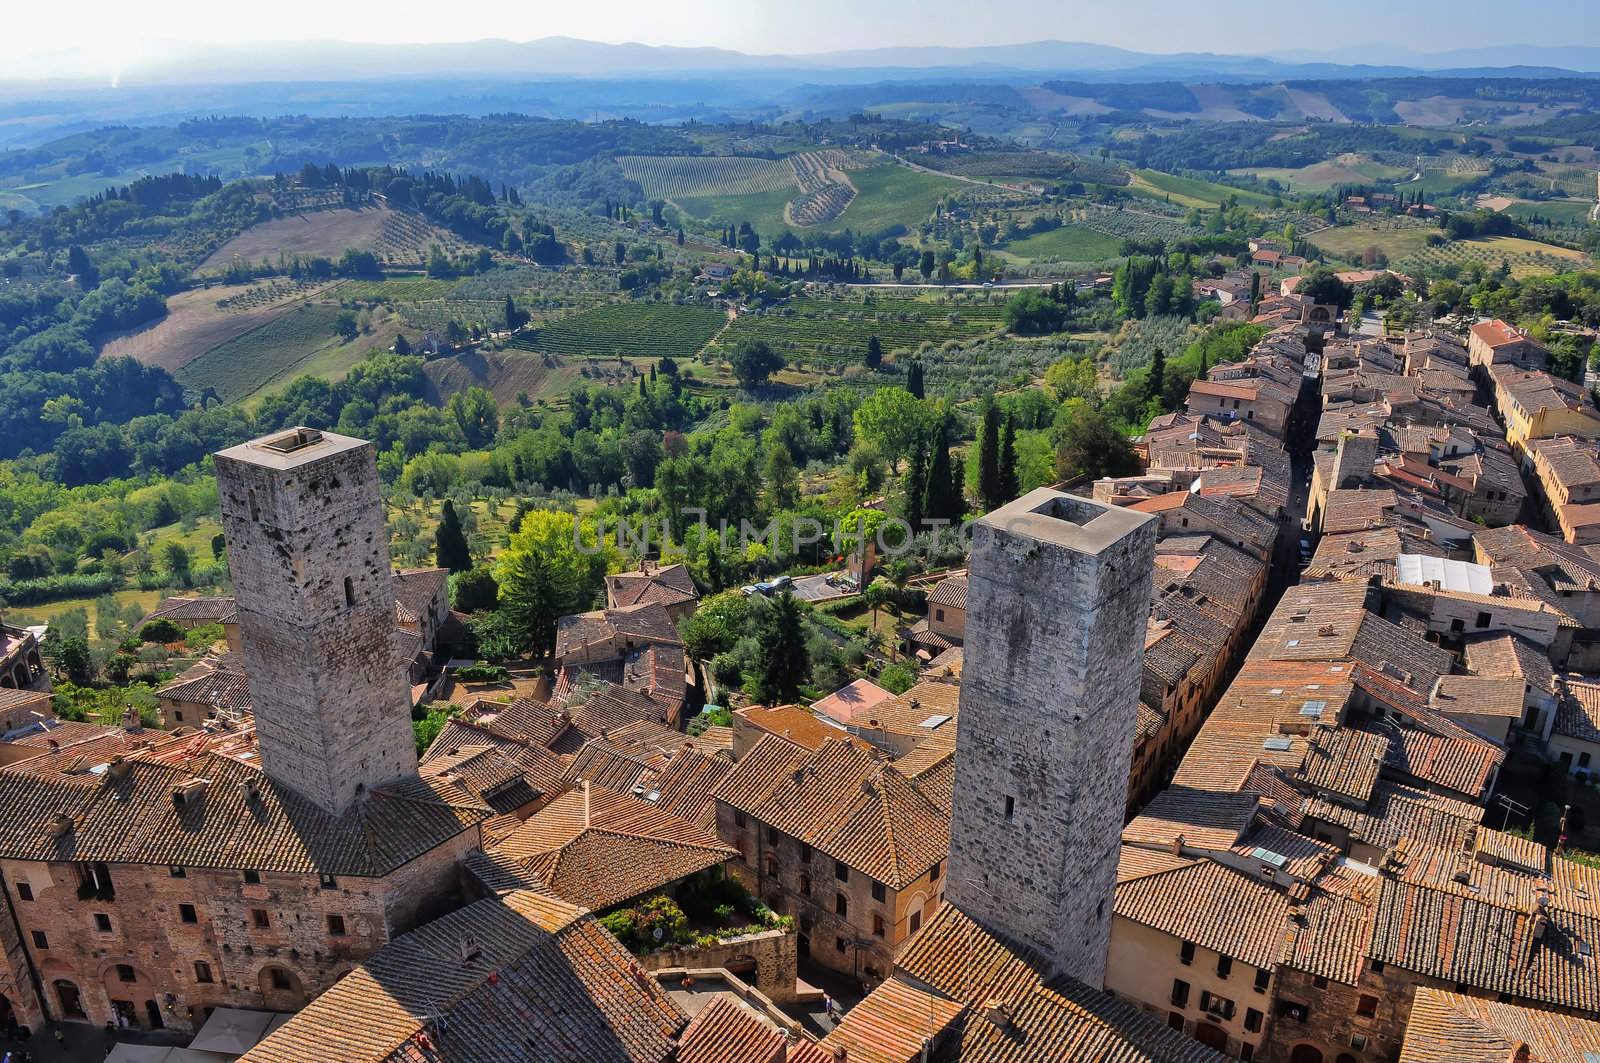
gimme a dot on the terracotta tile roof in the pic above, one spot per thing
(1496, 333)
(726, 1031)
(845, 803)
(1462, 763)
(1353, 509)
(217, 610)
(1398, 811)
(794, 724)
(892, 1023)
(1461, 939)
(524, 720)
(1333, 939)
(546, 982)
(1203, 820)
(1578, 712)
(656, 585)
(855, 697)
(243, 820)
(415, 590)
(597, 848)
(1214, 906)
(950, 591)
(647, 623)
(207, 684)
(1046, 1019)
(487, 775)
(1451, 1028)
(945, 666)
(1508, 655)
(543, 770)
(1343, 762)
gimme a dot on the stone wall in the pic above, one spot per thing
(1058, 593)
(772, 954)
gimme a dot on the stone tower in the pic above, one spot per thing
(1353, 460)
(309, 555)
(1057, 597)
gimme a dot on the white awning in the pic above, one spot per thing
(1421, 570)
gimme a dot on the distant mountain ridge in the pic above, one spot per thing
(171, 62)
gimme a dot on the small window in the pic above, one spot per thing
(838, 943)
(252, 878)
(1175, 1020)
(202, 972)
(879, 893)
(805, 853)
(841, 905)
(938, 614)
(1262, 979)
(177, 872)
(125, 973)
(349, 591)
(187, 913)
(1180, 993)
(329, 882)
(24, 892)
(841, 872)
(1458, 625)
(1186, 953)
(805, 885)
(255, 510)
(772, 835)
(1011, 808)
(1252, 1020)
(1320, 982)
(1224, 966)
(738, 819)
(39, 940)
(259, 917)
(878, 929)
(336, 925)
(280, 978)
(1358, 1041)
(102, 922)
(1367, 1006)
(1583, 760)
(1377, 966)
(938, 869)
(177, 715)
(916, 922)
(1482, 621)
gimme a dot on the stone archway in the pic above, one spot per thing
(1305, 1054)
(281, 988)
(69, 999)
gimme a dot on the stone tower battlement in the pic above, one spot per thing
(309, 554)
(1057, 596)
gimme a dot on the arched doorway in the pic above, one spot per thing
(1345, 1057)
(70, 999)
(1211, 1035)
(8, 1016)
(1305, 1054)
(153, 1013)
(281, 989)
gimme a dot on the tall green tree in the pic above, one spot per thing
(1010, 486)
(1088, 444)
(543, 575)
(874, 356)
(450, 542)
(783, 665)
(754, 362)
(476, 415)
(989, 457)
(891, 420)
(914, 380)
(1155, 383)
(942, 495)
(916, 485)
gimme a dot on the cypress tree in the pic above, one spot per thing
(1010, 487)
(1155, 384)
(989, 457)
(942, 495)
(874, 352)
(450, 543)
(914, 380)
(916, 485)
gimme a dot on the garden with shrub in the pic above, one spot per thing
(708, 909)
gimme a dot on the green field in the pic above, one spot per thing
(763, 210)
(281, 347)
(1440, 182)
(892, 195)
(645, 329)
(1321, 176)
(1349, 241)
(671, 176)
(395, 289)
(1070, 243)
(1192, 192)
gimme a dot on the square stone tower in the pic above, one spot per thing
(1057, 596)
(309, 555)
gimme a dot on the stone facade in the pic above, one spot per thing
(794, 879)
(162, 946)
(309, 554)
(1058, 591)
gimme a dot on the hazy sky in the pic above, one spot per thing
(32, 28)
